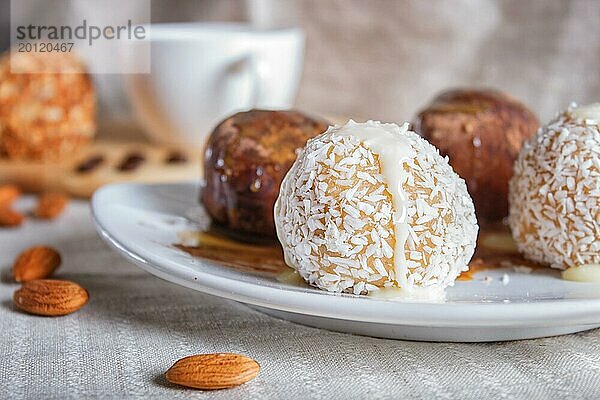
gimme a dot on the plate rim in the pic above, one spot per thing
(346, 306)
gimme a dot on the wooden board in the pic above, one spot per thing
(72, 177)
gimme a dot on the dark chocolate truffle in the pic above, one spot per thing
(245, 160)
(482, 132)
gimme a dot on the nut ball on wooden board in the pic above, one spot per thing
(245, 160)
(45, 115)
(101, 163)
(482, 131)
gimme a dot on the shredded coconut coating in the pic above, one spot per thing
(555, 194)
(335, 217)
(48, 115)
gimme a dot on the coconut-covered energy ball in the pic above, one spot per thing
(372, 205)
(45, 115)
(555, 191)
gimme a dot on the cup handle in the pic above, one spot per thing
(260, 71)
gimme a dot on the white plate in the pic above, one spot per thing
(142, 222)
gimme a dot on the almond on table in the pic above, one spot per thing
(8, 194)
(51, 205)
(35, 263)
(213, 371)
(49, 297)
(9, 217)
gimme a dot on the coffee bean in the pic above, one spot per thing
(176, 157)
(90, 164)
(131, 162)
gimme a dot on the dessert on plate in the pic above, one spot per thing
(368, 206)
(482, 132)
(555, 191)
(45, 115)
(245, 160)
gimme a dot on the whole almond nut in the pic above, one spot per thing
(10, 218)
(51, 205)
(49, 297)
(213, 371)
(35, 263)
(8, 194)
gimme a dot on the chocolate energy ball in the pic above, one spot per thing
(482, 132)
(245, 160)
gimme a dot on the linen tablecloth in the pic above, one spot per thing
(136, 325)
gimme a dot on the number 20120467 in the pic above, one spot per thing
(44, 47)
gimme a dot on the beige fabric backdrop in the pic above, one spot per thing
(386, 59)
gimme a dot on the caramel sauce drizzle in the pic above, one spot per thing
(495, 249)
(246, 257)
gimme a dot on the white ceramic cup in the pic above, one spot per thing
(202, 72)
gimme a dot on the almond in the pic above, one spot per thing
(213, 371)
(51, 205)
(10, 218)
(8, 194)
(50, 297)
(35, 263)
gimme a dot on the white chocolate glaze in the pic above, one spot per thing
(587, 112)
(583, 273)
(393, 149)
(499, 241)
(291, 277)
